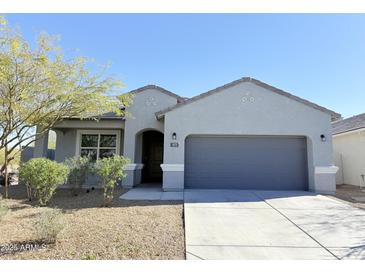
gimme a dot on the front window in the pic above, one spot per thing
(98, 145)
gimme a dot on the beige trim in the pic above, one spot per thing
(133, 166)
(326, 169)
(172, 167)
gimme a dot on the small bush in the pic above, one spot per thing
(3, 210)
(49, 224)
(89, 257)
(43, 176)
(110, 170)
(79, 169)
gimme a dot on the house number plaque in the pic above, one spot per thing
(174, 144)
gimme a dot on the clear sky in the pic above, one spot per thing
(317, 57)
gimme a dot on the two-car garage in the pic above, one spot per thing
(246, 162)
(248, 135)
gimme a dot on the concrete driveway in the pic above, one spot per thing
(239, 224)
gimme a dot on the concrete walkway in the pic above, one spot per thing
(151, 193)
(238, 224)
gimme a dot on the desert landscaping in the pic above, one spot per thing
(123, 230)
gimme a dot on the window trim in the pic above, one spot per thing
(97, 132)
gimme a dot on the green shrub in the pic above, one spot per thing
(43, 176)
(79, 169)
(3, 210)
(110, 170)
(49, 224)
(89, 257)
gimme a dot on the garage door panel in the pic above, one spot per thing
(277, 163)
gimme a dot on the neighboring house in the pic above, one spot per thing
(243, 135)
(349, 150)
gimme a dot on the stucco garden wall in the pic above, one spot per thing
(349, 153)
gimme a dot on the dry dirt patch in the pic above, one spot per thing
(351, 194)
(124, 230)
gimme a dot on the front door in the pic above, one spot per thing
(152, 156)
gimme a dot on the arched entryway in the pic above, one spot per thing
(152, 156)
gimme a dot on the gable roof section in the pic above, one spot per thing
(165, 91)
(349, 124)
(113, 116)
(160, 114)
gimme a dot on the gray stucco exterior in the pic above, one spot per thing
(241, 108)
(140, 119)
(247, 109)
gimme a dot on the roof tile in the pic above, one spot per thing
(349, 124)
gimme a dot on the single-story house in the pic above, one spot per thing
(349, 150)
(242, 135)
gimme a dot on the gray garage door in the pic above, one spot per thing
(260, 162)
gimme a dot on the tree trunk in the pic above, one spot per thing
(6, 173)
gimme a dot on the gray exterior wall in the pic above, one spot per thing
(247, 109)
(65, 144)
(66, 139)
(91, 124)
(66, 136)
(28, 153)
(142, 118)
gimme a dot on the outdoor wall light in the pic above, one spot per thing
(174, 136)
(323, 138)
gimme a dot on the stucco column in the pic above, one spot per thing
(59, 135)
(134, 169)
(324, 172)
(129, 145)
(134, 172)
(41, 145)
(173, 177)
(325, 179)
(173, 166)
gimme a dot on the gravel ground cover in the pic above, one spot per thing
(124, 230)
